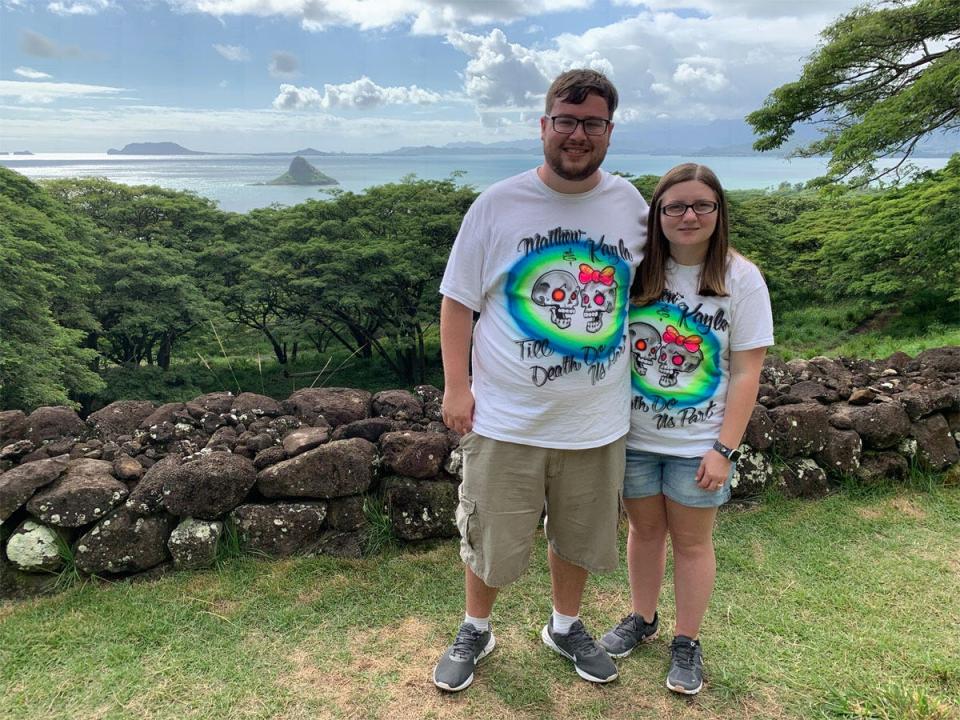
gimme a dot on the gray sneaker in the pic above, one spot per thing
(589, 659)
(630, 632)
(686, 666)
(454, 671)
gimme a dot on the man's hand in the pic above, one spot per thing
(713, 471)
(458, 410)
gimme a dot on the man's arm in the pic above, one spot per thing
(456, 331)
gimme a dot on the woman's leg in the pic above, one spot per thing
(695, 565)
(646, 551)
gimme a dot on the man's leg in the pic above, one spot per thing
(567, 581)
(583, 489)
(480, 596)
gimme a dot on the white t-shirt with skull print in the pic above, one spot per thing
(549, 274)
(680, 356)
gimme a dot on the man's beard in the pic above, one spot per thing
(554, 158)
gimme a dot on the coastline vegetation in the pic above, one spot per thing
(110, 291)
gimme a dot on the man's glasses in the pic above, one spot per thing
(700, 207)
(567, 125)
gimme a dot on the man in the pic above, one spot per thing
(546, 258)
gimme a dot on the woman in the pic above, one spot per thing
(700, 323)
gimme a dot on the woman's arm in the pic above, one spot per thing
(745, 366)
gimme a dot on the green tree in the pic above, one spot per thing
(47, 266)
(883, 78)
(151, 285)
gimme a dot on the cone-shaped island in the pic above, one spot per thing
(302, 172)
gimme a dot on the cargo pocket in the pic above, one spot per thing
(468, 525)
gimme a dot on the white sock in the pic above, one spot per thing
(481, 624)
(562, 623)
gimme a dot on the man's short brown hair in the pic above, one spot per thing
(573, 86)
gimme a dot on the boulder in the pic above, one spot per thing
(347, 513)
(281, 529)
(193, 543)
(86, 492)
(936, 447)
(13, 426)
(121, 417)
(754, 472)
(34, 547)
(269, 456)
(415, 454)
(147, 497)
(167, 414)
(123, 543)
(305, 438)
(880, 426)
(19, 484)
(759, 432)
(432, 399)
(208, 486)
(247, 406)
(802, 477)
(16, 450)
(926, 401)
(223, 438)
(338, 468)
(369, 429)
(841, 455)
(879, 467)
(814, 391)
(943, 359)
(126, 468)
(348, 545)
(217, 403)
(862, 396)
(420, 509)
(799, 430)
(50, 423)
(397, 404)
(338, 406)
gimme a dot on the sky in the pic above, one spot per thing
(375, 75)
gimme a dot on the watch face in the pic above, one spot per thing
(734, 456)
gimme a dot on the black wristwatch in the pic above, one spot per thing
(729, 453)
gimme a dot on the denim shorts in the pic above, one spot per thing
(649, 474)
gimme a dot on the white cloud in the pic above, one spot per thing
(699, 77)
(233, 53)
(284, 64)
(362, 94)
(47, 92)
(31, 74)
(751, 8)
(79, 7)
(426, 17)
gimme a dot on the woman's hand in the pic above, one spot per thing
(713, 471)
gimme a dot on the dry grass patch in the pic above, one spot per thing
(908, 507)
(388, 678)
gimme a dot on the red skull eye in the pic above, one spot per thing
(677, 360)
(641, 345)
(663, 356)
(573, 295)
(598, 299)
(559, 294)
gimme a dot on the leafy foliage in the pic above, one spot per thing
(883, 78)
(47, 265)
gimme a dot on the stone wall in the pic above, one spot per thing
(136, 489)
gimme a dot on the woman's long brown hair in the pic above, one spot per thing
(650, 281)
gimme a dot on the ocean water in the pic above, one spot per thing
(231, 180)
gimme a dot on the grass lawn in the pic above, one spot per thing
(846, 607)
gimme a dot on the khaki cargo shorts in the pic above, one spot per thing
(503, 494)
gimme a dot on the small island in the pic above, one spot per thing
(154, 148)
(302, 172)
